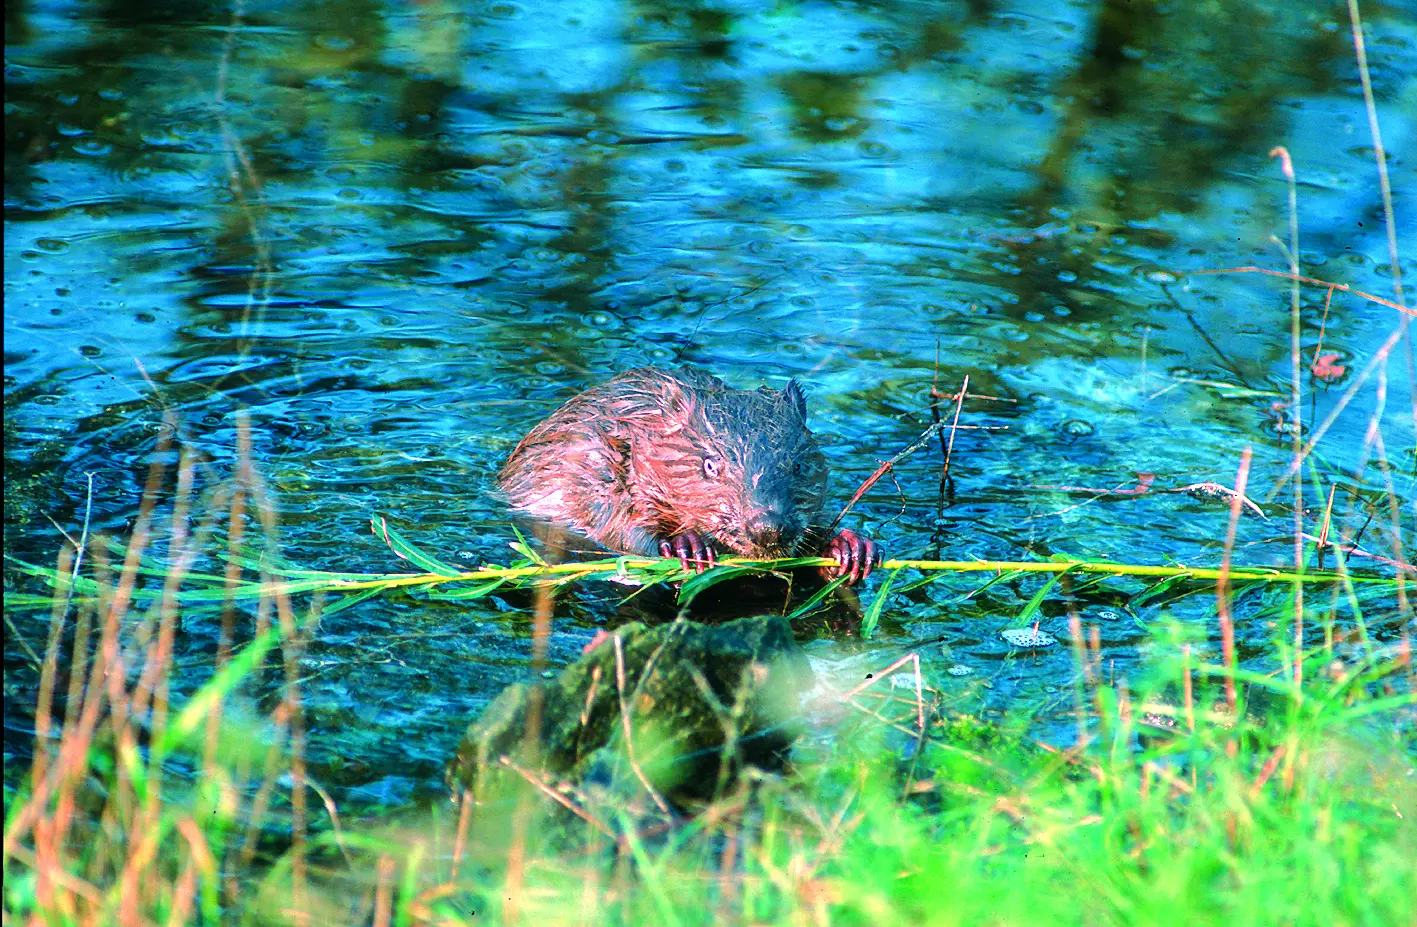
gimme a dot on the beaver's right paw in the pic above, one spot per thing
(855, 557)
(693, 550)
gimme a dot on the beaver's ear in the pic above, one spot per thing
(792, 396)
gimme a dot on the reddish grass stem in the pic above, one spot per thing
(1222, 584)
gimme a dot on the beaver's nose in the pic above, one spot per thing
(766, 529)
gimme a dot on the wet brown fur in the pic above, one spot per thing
(624, 463)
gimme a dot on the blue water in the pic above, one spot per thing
(396, 236)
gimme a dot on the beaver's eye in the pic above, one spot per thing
(711, 467)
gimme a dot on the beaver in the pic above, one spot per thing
(677, 464)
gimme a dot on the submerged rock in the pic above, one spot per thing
(687, 690)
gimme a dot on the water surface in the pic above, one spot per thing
(394, 236)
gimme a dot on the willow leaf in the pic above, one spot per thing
(474, 592)
(699, 582)
(809, 606)
(405, 549)
(873, 614)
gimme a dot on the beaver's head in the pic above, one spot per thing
(737, 466)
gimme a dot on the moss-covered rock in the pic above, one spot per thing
(688, 691)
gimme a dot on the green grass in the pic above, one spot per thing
(1301, 808)
(1302, 814)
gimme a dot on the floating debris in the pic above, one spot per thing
(1028, 637)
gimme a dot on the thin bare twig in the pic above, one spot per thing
(913, 658)
(918, 443)
(1312, 281)
(555, 795)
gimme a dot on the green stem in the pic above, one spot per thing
(629, 564)
(664, 569)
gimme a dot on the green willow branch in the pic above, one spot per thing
(628, 567)
(637, 570)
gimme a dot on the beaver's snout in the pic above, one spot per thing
(770, 530)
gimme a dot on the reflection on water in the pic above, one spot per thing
(400, 235)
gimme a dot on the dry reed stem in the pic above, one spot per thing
(1080, 660)
(892, 723)
(198, 848)
(112, 665)
(1295, 403)
(1267, 770)
(1360, 52)
(625, 726)
(514, 882)
(49, 671)
(182, 901)
(333, 811)
(954, 427)
(1187, 688)
(61, 877)
(383, 895)
(1377, 362)
(1222, 585)
(1323, 326)
(84, 710)
(1322, 539)
(151, 687)
(235, 535)
(109, 668)
(460, 839)
(289, 713)
(1374, 445)
(291, 647)
(1395, 512)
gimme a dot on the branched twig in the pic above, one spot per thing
(1312, 281)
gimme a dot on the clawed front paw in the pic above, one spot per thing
(855, 557)
(693, 550)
